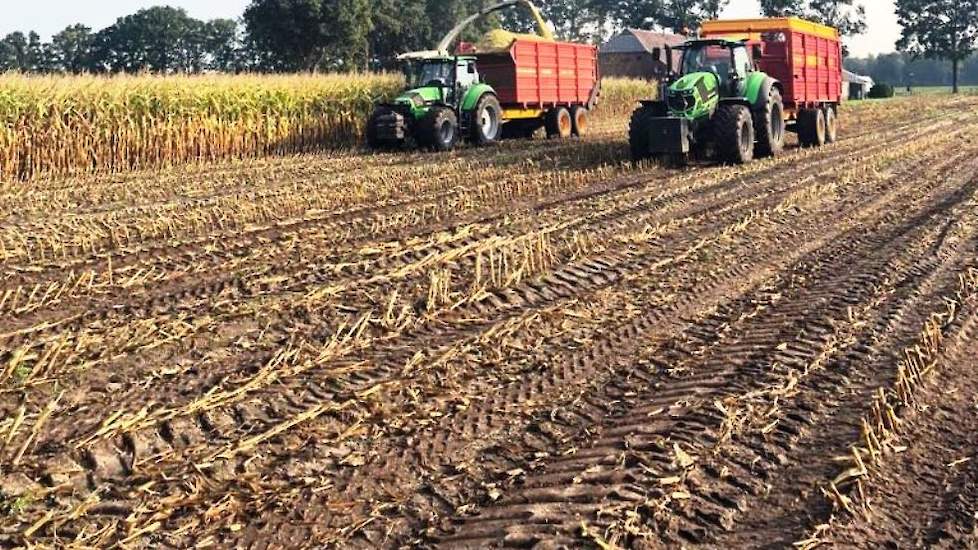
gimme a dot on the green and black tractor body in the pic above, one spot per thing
(718, 105)
(446, 102)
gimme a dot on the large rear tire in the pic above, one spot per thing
(811, 127)
(579, 117)
(769, 126)
(487, 121)
(438, 130)
(559, 123)
(734, 134)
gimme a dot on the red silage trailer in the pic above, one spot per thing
(540, 83)
(805, 57)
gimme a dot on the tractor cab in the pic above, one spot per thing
(444, 77)
(436, 80)
(728, 61)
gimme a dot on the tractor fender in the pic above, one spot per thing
(474, 94)
(759, 87)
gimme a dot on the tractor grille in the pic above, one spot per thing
(681, 101)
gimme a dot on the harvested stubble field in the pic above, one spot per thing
(536, 345)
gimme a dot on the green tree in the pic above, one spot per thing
(307, 35)
(71, 49)
(160, 39)
(398, 27)
(222, 44)
(14, 52)
(939, 29)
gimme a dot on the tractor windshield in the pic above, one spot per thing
(704, 58)
(432, 73)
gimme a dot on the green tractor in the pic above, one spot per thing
(445, 103)
(718, 105)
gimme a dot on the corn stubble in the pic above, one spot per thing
(347, 299)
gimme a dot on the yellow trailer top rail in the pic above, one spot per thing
(748, 27)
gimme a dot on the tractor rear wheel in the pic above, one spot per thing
(638, 132)
(811, 127)
(438, 130)
(831, 125)
(579, 116)
(769, 126)
(734, 134)
(559, 123)
(487, 121)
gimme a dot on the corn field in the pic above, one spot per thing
(535, 344)
(62, 126)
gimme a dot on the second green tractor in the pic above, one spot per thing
(718, 105)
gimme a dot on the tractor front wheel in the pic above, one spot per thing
(769, 126)
(438, 129)
(559, 123)
(487, 121)
(734, 134)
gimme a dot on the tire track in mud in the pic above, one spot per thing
(499, 409)
(826, 417)
(240, 244)
(659, 204)
(922, 493)
(279, 404)
(391, 361)
(549, 507)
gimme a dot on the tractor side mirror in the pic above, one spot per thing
(657, 54)
(758, 51)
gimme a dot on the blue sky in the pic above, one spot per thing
(49, 16)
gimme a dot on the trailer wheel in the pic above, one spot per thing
(438, 130)
(487, 120)
(831, 125)
(811, 127)
(579, 116)
(638, 132)
(734, 134)
(769, 126)
(559, 123)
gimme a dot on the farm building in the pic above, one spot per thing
(854, 86)
(634, 54)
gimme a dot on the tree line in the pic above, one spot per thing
(336, 35)
(902, 69)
